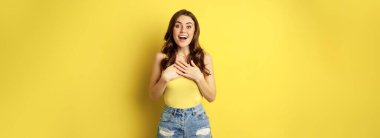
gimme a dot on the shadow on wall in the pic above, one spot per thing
(149, 109)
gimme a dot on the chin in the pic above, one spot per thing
(183, 44)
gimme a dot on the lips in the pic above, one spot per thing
(182, 38)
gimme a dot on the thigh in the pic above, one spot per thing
(198, 125)
(169, 127)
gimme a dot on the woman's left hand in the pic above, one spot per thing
(190, 71)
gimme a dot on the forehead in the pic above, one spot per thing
(185, 19)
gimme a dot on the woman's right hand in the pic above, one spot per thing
(170, 73)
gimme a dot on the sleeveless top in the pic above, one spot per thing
(182, 93)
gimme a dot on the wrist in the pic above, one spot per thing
(163, 79)
(200, 79)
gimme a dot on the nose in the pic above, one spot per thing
(183, 29)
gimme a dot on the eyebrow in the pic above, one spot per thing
(186, 23)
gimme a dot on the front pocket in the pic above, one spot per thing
(200, 115)
(166, 117)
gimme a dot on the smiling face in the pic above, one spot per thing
(183, 31)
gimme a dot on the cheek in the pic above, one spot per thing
(192, 33)
(175, 32)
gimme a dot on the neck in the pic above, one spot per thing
(183, 51)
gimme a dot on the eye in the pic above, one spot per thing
(176, 26)
(188, 27)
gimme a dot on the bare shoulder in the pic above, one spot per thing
(160, 56)
(207, 58)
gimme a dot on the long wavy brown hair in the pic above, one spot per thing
(170, 47)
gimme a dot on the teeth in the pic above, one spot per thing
(182, 36)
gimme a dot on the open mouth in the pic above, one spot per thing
(182, 37)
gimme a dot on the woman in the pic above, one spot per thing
(183, 74)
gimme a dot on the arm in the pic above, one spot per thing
(207, 84)
(157, 83)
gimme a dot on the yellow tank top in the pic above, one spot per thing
(182, 93)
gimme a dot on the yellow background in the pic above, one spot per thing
(283, 68)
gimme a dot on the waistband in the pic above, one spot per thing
(199, 107)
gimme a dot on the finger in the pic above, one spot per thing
(181, 65)
(179, 68)
(192, 63)
(184, 74)
(181, 73)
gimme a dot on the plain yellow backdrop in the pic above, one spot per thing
(283, 68)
